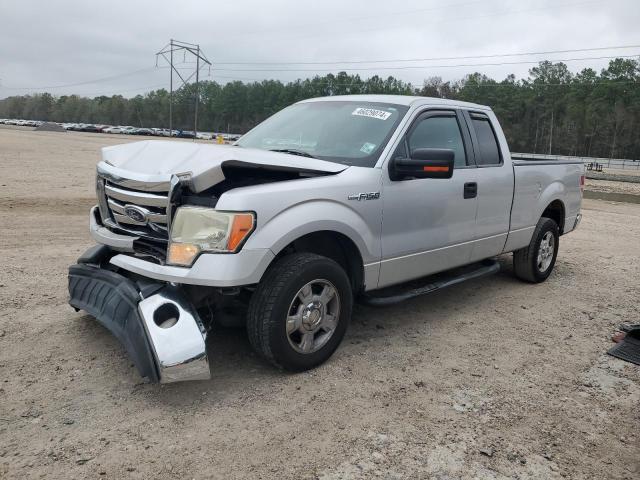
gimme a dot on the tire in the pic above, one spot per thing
(289, 324)
(528, 265)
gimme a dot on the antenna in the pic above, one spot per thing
(185, 48)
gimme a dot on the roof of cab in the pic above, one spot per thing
(399, 100)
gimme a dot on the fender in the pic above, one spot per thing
(311, 216)
(555, 191)
(525, 215)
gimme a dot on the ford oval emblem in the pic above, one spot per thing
(136, 214)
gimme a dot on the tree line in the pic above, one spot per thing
(552, 111)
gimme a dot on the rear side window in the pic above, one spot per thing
(487, 142)
(439, 132)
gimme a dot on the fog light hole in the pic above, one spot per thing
(166, 316)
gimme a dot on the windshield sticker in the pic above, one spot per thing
(371, 113)
(368, 148)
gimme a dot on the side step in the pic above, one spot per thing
(415, 288)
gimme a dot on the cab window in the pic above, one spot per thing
(487, 142)
(439, 132)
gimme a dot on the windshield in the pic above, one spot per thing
(352, 133)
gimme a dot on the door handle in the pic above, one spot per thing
(470, 190)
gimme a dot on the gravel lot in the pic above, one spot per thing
(609, 186)
(492, 379)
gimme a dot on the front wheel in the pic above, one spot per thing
(299, 312)
(535, 262)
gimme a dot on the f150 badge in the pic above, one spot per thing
(364, 196)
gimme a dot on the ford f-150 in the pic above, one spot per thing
(328, 201)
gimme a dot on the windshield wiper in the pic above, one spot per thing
(293, 151)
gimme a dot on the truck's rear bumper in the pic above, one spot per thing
(161, 333)
(578, 220)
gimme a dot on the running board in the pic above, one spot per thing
(416, 288)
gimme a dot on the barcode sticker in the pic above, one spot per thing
(371, 113)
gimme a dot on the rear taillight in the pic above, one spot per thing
(581, 183)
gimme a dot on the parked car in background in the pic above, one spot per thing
(90, 128)
(186, 134)
(142, 131)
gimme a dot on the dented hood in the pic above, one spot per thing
(158, 160)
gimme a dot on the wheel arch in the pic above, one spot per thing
(334, 245)
(326, 228)
(555, 210)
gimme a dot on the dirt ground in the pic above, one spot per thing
(492, 379)
(612, 186)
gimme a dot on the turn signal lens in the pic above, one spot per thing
(240, 229)
(435, 169)
(182, 253)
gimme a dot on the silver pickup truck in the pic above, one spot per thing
(373, 198)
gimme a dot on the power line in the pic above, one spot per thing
(186, 48)
(497, 55)
(87, 82)
(359, 86)
(339, 62)
(137, 89)
(423, 67)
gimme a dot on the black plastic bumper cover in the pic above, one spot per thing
(113, 300)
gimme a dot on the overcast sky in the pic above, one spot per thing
(68, 45)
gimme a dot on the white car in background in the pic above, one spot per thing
(204, 136)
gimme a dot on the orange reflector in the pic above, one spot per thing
(435, 169)
(182, 253)
(242, 226)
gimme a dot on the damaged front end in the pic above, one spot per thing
(129, 283)
(155, 322)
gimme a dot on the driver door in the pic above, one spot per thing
(429, 224)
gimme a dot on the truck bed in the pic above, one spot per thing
(539, 182)
(525, 159)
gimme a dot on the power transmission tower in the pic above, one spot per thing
(186, 48)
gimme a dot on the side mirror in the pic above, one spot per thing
(424, 163)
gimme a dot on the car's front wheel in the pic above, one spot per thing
(299, 312)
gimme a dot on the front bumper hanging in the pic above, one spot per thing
(160, 331)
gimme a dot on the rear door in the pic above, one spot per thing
(428, 224)
(495, 185)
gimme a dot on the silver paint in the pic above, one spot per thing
(418, 227)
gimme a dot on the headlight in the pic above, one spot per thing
(200, 229)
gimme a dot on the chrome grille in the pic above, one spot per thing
(147, 211)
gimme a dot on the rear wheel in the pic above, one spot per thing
(535, 262)
(299, 313)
